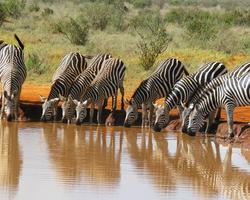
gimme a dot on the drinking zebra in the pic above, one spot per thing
(106, 84)
(184, 88)
(156, 86)
(233, 92)
(70, 67)
(12, 75)
(237, 72)
(80, 85)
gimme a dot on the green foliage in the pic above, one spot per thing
(14, 8)
(47, 11)
(2, 14)
(75, 32)
(141, 3)
(34, 7)
(35, 64)
(154, 41)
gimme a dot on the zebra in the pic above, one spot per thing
(233, 92)
(80, 84)
(70, 67)
(156, 86)
(12, 75)
(183, 89)
(237, 72)
(106, 84)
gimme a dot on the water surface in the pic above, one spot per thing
(55, 161)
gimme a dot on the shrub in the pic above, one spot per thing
(34, 8)
(2, 14)
(47, 11)
(75, 32)
(141, 3)
(154, 40)
(14, 8)
(35, 64)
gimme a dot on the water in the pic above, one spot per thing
(54, 161)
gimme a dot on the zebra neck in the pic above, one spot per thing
(91, 93)
(209, 101)
(140, 96)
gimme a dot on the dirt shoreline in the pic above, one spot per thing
(31, 106)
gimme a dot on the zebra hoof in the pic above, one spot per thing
(156, 128)
(184, 129)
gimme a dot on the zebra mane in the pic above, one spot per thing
(138, 89)
(19, 42)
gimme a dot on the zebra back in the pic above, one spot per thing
(161, 82)
(83, 80)
(107, 81)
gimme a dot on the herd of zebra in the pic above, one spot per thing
(78, 85)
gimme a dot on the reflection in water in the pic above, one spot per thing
(115, 163)
(10, 158)
(94, 154)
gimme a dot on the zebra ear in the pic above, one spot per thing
(55, 100)
(6, 95)
(155, 105)
(42, 98)
(13, 94)
(191, 106)
(62, 98)
(70, 98)
(85, 103)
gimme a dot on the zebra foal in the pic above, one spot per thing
(80, 85)
(235, 91)
(183, 89)
(70, 67)
(106, 84)
(12, 75)
(156, 86)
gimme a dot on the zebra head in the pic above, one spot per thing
(81, 111)
(10, 105)
(68, 109)
(49, 108)
(161, 117)
(185, 118)
(131, 113)
(195, 120)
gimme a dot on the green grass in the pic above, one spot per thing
(230, 43)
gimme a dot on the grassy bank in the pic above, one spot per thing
(218, 31)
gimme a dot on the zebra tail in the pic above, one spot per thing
(19, 42)
(185, 71)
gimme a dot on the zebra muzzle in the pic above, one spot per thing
(126, 124)
(156, 128)
(9, 118)
(190, 132)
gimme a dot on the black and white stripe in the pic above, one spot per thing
(237, 72)
(156, 86)
(80, 85)
(235, 91)
(106, 84)
(70, 67)
(12, 75)
(184, 88)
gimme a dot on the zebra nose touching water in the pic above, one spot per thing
(183, 89)
(12, 75)
(233, 92)
(156, 86)
(106, 84)
(70, 67)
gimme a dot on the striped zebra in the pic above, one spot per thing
(184, 88)
(80, 85)
(156, 86)
(233, 92)
(12, 75)
(70, 67)
(237, 72)
(106, 84)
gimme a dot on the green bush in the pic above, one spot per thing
(2, 14)
(154, 40)
(35, 64)
(34, 8)
(75, 32)
(239, 17)
(14, 8)
(141, 3)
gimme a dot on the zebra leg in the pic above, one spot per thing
(180, 109)
(114, 103)
(105, 103)
(91, 113)
(210, 121)
(229, 110)
(217, 115)
(150, 114)
(99, 113)
(122, 93)
(144, 114)
(3, 105)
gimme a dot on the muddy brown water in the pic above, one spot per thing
(56, 161)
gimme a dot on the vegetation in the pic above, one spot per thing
(141, 32)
